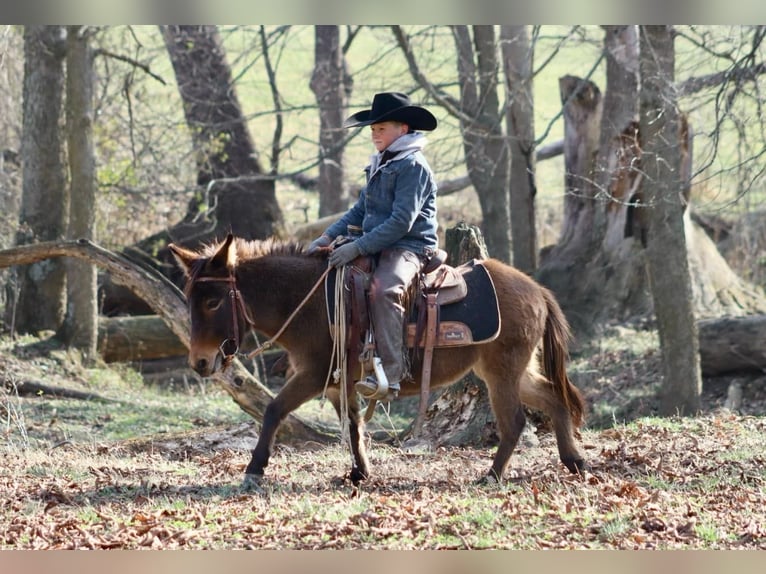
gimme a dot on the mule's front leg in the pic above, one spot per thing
(262, 451)
(299, 389)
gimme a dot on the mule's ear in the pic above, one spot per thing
(226, 256)
(184, 257)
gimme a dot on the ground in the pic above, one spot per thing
(620, 373)
(123, 483)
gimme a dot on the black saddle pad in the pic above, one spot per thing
(478, 310)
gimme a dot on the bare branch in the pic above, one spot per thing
(275, 144)
(39, 389)
(551, 150)
(734, 74)
(450, 104)
(556, 49)
(162, 295)
(132, 62)
(450, 186)
(351, 34)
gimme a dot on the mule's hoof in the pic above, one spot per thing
(576, 466)
(253, 483)
(356, 476)
(488, 479)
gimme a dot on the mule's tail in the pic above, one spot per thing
(555, 354)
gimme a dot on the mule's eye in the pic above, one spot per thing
(213, 303)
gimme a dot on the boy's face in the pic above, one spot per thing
(384, 133)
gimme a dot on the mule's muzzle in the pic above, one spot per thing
(205, 367)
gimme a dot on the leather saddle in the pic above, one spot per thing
(449, 306)
(464, 297)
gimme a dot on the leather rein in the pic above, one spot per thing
(238, 307)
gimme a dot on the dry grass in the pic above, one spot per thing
(654, 483)
(692, 483)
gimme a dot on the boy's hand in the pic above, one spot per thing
(321, 242)
(344, 254)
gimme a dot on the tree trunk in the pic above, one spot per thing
(481, 118)
(11, 83)
(732, 344)
(229, 174)
(234, 193)
(592, 269)
(329, 87)
(36, 301)
(595, 272)
(80, 326)
(667, 264)
(137, 338)
(517, 61)
(486, 151)
(461, 415)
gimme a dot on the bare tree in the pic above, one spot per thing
(40, 287)
(517, 51)
(481, 124)
(80, 326)
(229, 172)
(332, 88)
(597, 267)
(666, 250)
(11, 82)
(234, 192)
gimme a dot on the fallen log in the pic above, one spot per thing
(732, 344)
(38, 389)
(137, 338)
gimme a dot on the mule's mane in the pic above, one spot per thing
(255, 248)
(247, 250)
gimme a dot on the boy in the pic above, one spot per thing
(397, 213)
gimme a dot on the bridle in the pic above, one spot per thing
(238, 308)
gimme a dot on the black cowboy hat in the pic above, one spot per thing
(393, 107)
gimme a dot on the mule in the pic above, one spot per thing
(235, 284)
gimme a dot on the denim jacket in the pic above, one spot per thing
(397, 207)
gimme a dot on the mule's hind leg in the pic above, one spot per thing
(509, 414)
(361, 468)
(538, 392)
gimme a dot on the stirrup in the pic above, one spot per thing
(369, 388)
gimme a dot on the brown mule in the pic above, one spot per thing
(235, 284)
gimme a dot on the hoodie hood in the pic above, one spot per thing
(401, 147)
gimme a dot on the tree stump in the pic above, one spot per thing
(460, 415)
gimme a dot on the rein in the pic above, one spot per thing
(235, 296)
(267, 345)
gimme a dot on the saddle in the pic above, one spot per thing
(449, 307)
